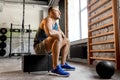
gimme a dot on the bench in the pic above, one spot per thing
(35, 62)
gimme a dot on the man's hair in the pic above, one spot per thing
(50, 8)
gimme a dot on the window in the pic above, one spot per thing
(84, 19)
(73, 20)
(77, 20)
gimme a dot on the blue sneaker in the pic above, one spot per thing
(59, 72)
(68, 67)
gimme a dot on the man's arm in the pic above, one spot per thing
(48, 29)
(62, 34)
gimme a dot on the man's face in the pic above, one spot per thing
(56, 13)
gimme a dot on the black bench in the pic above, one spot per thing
(34, 62)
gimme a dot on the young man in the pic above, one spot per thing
(50, 38)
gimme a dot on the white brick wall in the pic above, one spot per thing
(12, 13)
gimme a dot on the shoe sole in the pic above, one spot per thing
(55, 74)
(68, 69)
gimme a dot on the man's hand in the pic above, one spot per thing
(60, 36)
(63, 36)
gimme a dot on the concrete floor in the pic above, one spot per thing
(10, 69)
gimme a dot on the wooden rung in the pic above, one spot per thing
(109, 41)
(101, 27)
(101, 58)
(108, 50)
(110, 15)
(99, 35)
(98, 6)
(92, 3)
(103, 10)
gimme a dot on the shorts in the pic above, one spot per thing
(40, 48)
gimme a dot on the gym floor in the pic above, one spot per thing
(10, 69)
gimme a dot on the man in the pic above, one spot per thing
(50, 38)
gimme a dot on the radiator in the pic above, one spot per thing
(78, 51)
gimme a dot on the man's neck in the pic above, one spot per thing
(54, 19)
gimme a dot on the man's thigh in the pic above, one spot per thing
(40, 48)
(49, 42)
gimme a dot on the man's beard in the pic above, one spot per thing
(57, 17)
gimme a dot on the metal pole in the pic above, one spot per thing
(23, 15)
(29, 40)
(22, 32)
(10, 40)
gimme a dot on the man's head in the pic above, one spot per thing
(54, 12)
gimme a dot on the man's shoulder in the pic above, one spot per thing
(48, 19)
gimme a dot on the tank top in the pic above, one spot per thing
(41, 35)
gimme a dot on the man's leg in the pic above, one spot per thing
(65, 50)
(56, 52)
(55, 45)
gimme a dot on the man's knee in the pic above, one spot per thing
(67, 41)
(58, 41)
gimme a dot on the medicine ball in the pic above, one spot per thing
(105, 69)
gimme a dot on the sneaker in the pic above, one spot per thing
(68, 67)
(59, 72)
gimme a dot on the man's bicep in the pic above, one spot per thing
(48, 27)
